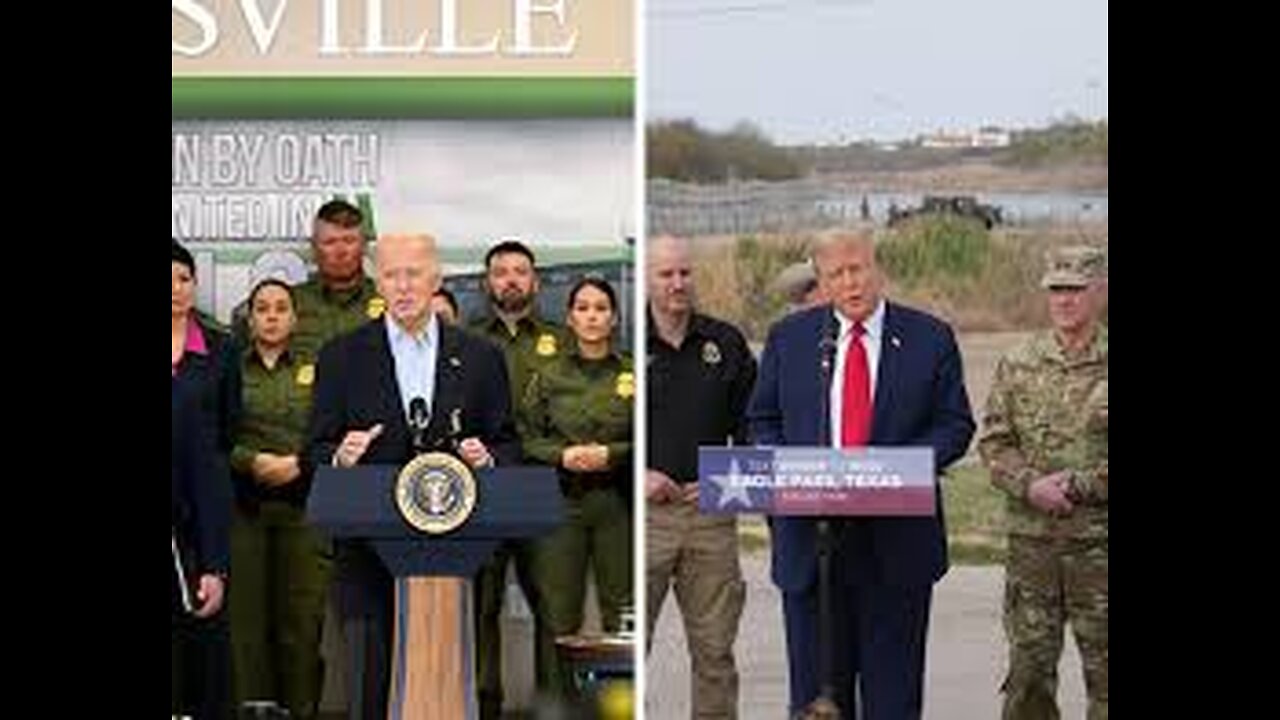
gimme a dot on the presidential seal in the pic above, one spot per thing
(436, 493)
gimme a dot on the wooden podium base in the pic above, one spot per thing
(433, 671)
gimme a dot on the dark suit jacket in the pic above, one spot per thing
(919, 400)
(200, 498)
(217, 376)
(356, 389)
(204, 406)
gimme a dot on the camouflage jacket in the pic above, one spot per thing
(1047, 413)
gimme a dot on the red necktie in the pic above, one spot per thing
(855, 411)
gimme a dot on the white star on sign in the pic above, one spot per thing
(732, 486)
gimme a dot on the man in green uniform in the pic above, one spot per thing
(1045, 443)
(511, 282)
(338, 297)
(527, 341)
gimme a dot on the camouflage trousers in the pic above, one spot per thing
(1048, 583)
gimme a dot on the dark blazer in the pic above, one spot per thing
(356, 389)
(919, 400)
(217, 375)
(200, 499)
(204, 406)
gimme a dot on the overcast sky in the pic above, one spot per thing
(839, 70)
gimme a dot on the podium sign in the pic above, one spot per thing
(868, 481)
(433, 523)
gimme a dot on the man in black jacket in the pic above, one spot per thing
(366, 384)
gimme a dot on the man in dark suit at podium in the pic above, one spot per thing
(403, 370)
(853, 372)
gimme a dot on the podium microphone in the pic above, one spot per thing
(419, 419)
(827, 348)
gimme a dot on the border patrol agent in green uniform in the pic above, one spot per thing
(325, 313)
(579, 409)
(335, 300)
(338, 297)
(527, 341)
(1045, 442)
(277, 599)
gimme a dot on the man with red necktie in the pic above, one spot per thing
(853, 372)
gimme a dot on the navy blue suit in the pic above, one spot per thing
(884, 567)
(356, 389)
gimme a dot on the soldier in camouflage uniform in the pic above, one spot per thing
(1045, 443)
(527, 341)
(579, 411)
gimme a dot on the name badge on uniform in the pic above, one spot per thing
(376, 307)
(626, 385)
(306, 374)
(546, 346)
(710, 353)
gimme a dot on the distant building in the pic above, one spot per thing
(942, 140)
(992, 138)
(985, 138)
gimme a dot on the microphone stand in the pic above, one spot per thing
(824, 707)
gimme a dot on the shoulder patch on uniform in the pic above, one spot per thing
(376, 307)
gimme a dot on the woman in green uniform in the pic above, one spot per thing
(277, 597)
(580, 407)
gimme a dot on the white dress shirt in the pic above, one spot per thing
(415, 361)
(873, 331)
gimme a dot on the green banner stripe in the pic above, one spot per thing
(381, 97)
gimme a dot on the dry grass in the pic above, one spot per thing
(992, 287)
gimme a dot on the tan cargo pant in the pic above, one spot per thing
(698, 556)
